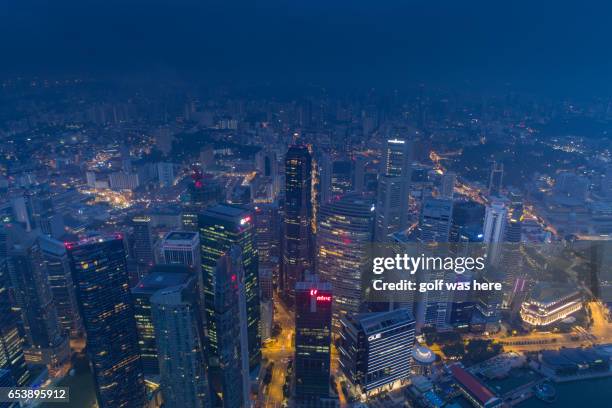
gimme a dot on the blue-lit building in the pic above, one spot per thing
(228, 362)
(61, 284)
(100, 275)
(375, 350)
(46, 341)
(160, 277)
(175, 313)
(12, 358)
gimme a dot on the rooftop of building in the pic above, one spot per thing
(163, 276)
(181, 236)
(423, 355)
(226, 211)
(546, 293)
(313, 284)
(378, 321)
(471, 384)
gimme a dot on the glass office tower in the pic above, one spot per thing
(221, 227)
(101, 279)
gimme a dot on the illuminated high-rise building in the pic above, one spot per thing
(160, 277)
(175, 313)
(100, 275)
(313, 310)
(433, 307)
(61, 285)
(325, 165)
(46, 341)
(435, 220)
(393, 189)
(390, 217)
(495, 221)
(267, 224)
(12, 358)
(398, 157)
(222, 227)
(344, 235)
(143, 245)
(228, 353)
(298, 216)
(375, 350)
(183, 248)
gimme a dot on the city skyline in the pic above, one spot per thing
(305, 204)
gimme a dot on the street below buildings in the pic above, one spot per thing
(279, 351)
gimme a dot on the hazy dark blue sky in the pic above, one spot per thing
(560, 45)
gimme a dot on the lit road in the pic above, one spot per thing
(599, 333)
(278, 351)
(335, 371)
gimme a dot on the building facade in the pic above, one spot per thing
(221, 227)
(100, 275)
(313, 310)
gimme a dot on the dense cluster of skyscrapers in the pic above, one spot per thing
(175, 291)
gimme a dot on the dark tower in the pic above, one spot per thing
(298, 217)
(313, 311)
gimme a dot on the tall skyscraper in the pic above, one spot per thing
(160, 277)
(61, 284)
(390, 216)
(180, 346)
(227, 352)
(344, 234)
(393, 189)
(12, 358)
(100, 275)
(495, 222)
(325, 164)
(496, 215)
(143, 245)
(466, 228)
(313, 311)
(398, 157)
(298, 213)
(433, 307)
(221, 227)
(183, 248)
(375, 350)
(435, 220)
(46, 342)
(267, 225)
